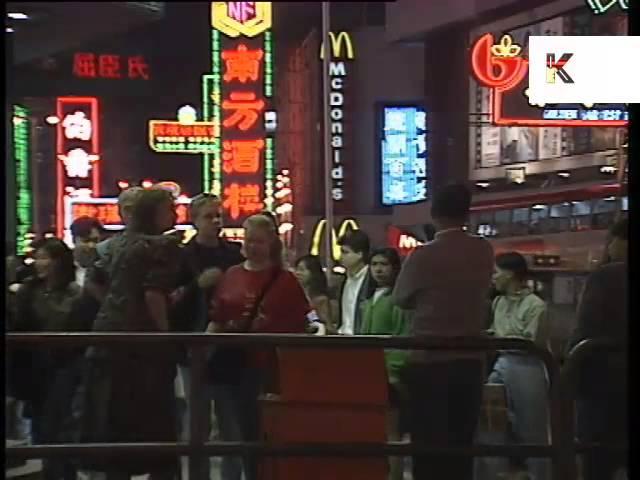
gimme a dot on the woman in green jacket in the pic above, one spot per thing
(380, 316)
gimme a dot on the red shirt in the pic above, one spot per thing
(283, 309)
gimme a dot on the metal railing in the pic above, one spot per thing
(566, 396)
(198, 448)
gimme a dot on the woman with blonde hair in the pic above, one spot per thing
(257, 296)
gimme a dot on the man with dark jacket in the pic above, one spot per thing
(204, 260)
(603, 313)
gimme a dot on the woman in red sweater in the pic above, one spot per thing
(257, 296)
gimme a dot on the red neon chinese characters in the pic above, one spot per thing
(242, 156)
(242, 64)
(245, 109)
(242, 199)
(505, 57)
(138, 68)
(84, 65)
(109, 66)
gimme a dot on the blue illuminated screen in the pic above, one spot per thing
(404, 155)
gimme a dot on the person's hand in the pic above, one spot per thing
(209, 278)
(213, 328)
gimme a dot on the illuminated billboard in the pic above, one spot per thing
(237, 98)
(77, 152)
(22, 159)
(506, 128)
(404, 155)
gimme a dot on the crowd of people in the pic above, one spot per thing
(144, 280)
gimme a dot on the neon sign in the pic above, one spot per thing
(236, 95)
(341, 48)
(502, 67)
(320, 229)
(404, 155)
(603, 6)
(404, 242)
(109, 66)
(235, 19)
(21, 156)
(105, 209)
(77, 153)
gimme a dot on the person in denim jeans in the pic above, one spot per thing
(518, 313)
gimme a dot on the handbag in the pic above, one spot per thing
(227, 364)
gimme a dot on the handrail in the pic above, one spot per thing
(567, 393)
(198, 448)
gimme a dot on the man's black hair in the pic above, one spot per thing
(513, 262)
(358, 241)
(82, 227)
(452, 202)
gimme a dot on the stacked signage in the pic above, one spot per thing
(77, 152)
(23, 180)
(404, 155)
(236, 98)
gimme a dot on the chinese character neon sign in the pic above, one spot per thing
(236, 94)
(21, 156)
(502, 68)
(404, 155)
(110, 66)
(602, 6)
(77, 153)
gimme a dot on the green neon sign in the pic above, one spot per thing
(22, 159)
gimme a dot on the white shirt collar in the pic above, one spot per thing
(359, 275)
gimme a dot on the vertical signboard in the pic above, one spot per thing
(77, 152)
(404, 155)
(237, 95)
(341, 51)
(22, 159)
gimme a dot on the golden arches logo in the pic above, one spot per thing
(316, 241)
(343, 39)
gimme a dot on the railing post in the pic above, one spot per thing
(198, 424)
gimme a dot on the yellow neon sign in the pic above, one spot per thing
(343, 39)
(346, 226)
(241, 18)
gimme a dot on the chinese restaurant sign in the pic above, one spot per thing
(77, 152)
(502, 67)
(236, 96)
(175, 137)
(110, 66)
(22, 159)
(404, 155)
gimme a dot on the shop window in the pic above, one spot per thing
(559, 217)
(503, 223)
(539, 217)
(520, 222)
(485, 225)
(604, 213)
(581, 216)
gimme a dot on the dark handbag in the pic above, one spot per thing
(226, 365)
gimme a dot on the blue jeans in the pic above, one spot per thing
(526, 388)
(237, 412)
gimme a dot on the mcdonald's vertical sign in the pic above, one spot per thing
(342, 53)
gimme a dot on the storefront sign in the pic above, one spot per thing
(317, 241)
(404, 155)
(77, 152)
(22, 159)
(240, 167)
(341, 49)
(403, 242)
(502, 67)
(110, 66)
